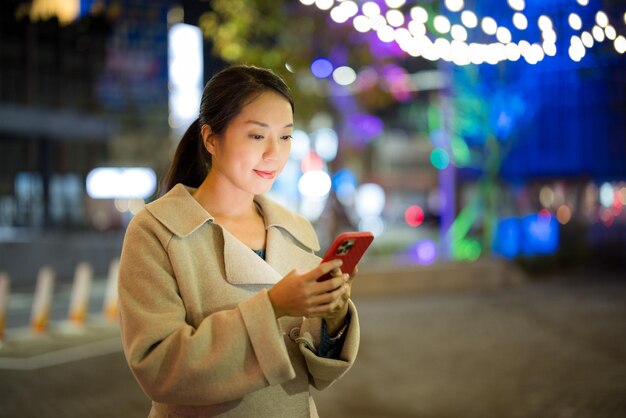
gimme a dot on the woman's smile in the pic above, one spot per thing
(266, 174)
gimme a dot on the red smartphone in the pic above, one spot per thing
(348, 247)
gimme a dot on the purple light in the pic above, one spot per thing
(364, 127)
(426, 252)
(423, 252)
(321, 68)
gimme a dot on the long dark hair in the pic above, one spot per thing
(226, 93)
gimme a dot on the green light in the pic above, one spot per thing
(466, 249)
(439, 158)
(461, 152)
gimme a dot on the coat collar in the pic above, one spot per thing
(182, 215)
(179, 212)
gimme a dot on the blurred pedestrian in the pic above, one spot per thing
(201, 332)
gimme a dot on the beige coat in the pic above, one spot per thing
(198, 328)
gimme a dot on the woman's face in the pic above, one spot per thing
(255, 146)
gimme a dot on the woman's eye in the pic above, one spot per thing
(286, 137)
(256, 137)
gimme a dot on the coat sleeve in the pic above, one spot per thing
(231, 353)
(325, 371)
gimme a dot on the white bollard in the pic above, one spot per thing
(110, 297)
(79, 301)
(4, 302)
(43, 300)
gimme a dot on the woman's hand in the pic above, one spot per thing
(300, 294)
(335, 319)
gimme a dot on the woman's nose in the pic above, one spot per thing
(271, 152)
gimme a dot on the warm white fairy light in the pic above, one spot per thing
(385, 33)
(469, 19)
(489, 25)
(443, 46)
(344, 11)
(574, 21)
(458, 33)
(370, 9)
(324, 4)
(576, 49)
(620, 44)
(598, 33)
(442, 24)
(503, 35)
(549, 35)
(454, 5)
(520, 21)
(395, 18)
(587, 39)
(602, 19)
(378, 22)
(403, 37)
(523, 46)
(362, 23)
(410, 33)
(517, 5)
(419, 14)
(549, 48)
(512, 52)
(544, 23)
(417, 29)
(610, 33)
(395, 4)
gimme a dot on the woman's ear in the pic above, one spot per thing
(208, 139)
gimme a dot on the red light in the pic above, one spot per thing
(312, 162)
(414, 216)
(544, 215)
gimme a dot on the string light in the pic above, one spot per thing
(574, 21)
(602, 19)
(489, 25)
(610, 33)
(469, 19)
(517, 4)
(598, 33)
(503, 35)
(620, 44)
(454, 5)
(587, 39)
(442, 24)
(448, 40)
(520, 21)
(395, 18)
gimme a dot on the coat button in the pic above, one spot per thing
(294, 333)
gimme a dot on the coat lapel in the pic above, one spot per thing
(284, 255)
(244, 266)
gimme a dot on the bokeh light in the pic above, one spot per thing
(439, 158)
(563, 214)
(606, 195)
(321, 68)
(314, 184)
(370, 200)
(414, 215)
(312, 162)
(326, 143)
(344, 75)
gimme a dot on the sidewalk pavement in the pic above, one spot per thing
(506, 348)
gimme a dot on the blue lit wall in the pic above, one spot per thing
(573, 118)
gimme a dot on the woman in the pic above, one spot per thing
(201, 332)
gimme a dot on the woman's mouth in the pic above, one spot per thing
(269, 175)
